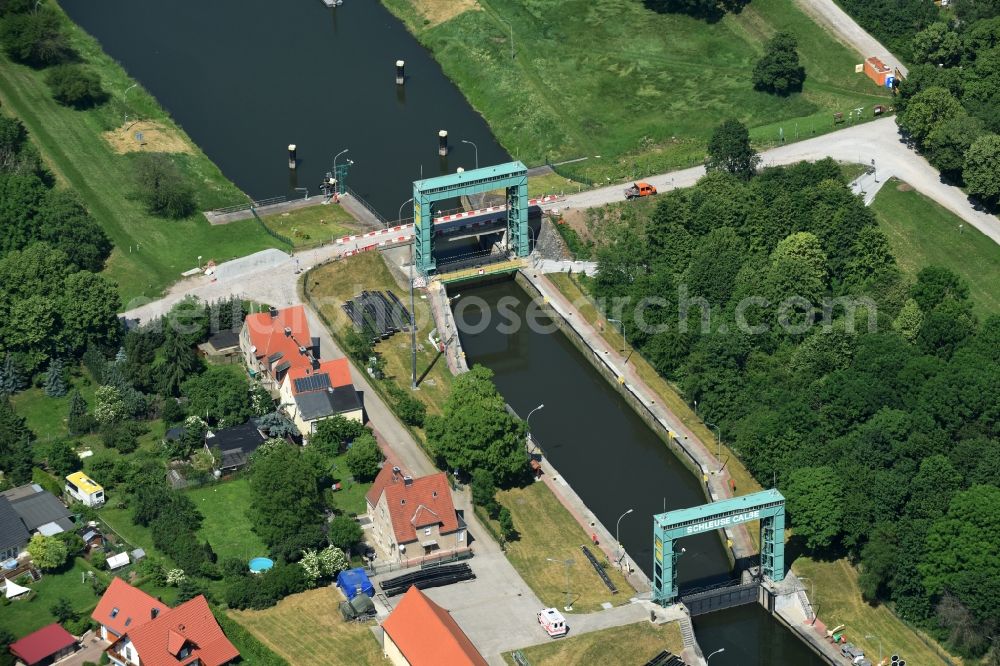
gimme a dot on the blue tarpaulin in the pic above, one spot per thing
(353, 581)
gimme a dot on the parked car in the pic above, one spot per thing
(852, 652)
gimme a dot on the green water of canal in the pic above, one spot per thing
(611, 458)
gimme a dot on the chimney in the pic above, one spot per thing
(273, 312)
(288, 332)
(315, 347)
(302, 350)
(315, 363)
(408, 480)
(395, 472)
(153, 612)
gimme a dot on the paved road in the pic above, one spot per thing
(843, 27)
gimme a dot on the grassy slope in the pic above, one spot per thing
(631, 644)
(922, 233)
(647, 97)
(548, 530)
(226, 526)
(307, 630)
(74, 149)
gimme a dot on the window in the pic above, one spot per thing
(114, 613)
(427, 531)
(461, 536)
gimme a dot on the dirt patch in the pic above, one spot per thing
(577, 220)
(155, 138)
(904, 187)
(436, 12)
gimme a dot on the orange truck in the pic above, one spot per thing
(639, 189)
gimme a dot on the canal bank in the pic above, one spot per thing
(611, 457)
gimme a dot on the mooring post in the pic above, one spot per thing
(443, 143)
(291, 156)
(400, 72)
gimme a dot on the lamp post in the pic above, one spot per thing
(718, 436)
(624, 339)
(527, 421)
(874, 170)
(569, 603)
(871, 636)
(335, 159)
(476, 149)
(124, 94)
(413, 325)
(617, 540)
(714, 653)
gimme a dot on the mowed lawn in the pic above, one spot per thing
(922, 233)
(548, 530)
(308, 630)
(226, 526)
(23, 617)
(631, 644)
(313, 225)
(635, 91)
(150, 253)
(331, 285)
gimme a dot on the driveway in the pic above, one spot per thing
(836, 21)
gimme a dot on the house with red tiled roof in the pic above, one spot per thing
(413, 518)
(319, 391)
(418, 632)
(275, 342)
(146, 632)
(123, 608)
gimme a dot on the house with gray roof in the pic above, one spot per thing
(14, 536)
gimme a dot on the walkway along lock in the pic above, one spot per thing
(767, 506)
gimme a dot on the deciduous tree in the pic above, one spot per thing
(729, 150)
(364, 457)
(47, 552)
(982, 168)
(779, 70)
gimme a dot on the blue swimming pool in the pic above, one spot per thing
(260, 564)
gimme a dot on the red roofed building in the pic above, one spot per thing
(123, 608)
(418, 632)
(411, 517)
(276, 341)
(44, 646)
(319, 391)
(188, 635)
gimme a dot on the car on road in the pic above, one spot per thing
(639, 189)
(852, 652)
(552, 622)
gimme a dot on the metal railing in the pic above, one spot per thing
(368, 206)
(250, 205)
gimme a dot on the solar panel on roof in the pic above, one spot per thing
(317, 382)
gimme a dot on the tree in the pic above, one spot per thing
(162, 187)
(109, 407)
(779, 71)
(357, 346)
(729, 150)
(909, 320)
(62, 459)
(11, 376)
(484, 491)
(815, 501)
(16, 455)
(79, 422)
(6, 638)
(66, 225)
(949, 141)
(172, 412)
(55, 382)
(982, 168)
(798, 268)
(76, 85)
(345, 532)
(476, 431)
(179, 362)
(218, 395)
(277, 425)
(63, 610)
(714, 265)
(507, 524)
(938, 45)
(285, 503)
(35, 38)
(928, 109)
(334, 433)
(364, 458)
(47, 552)
(332, 561)
(935, 285)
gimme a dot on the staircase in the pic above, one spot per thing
(687, 632)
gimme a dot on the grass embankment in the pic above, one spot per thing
(150, 252)
(313, 225)
(923, 233)
(547, 530)
(838, 601)
(631, 644)
(308, 630)
(635, 91)
(226, 526)
(331, 285)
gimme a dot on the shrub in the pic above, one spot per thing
(411, 411)
(76, 86)
(35, 38)
(345, 533)
(779, 71)
(162, 187)
(364, 457)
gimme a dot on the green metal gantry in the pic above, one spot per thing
(512, 177)
(767, 506)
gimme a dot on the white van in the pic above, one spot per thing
(553, 622)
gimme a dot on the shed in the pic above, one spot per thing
(353, 581)
(117, 561)
(44, 646)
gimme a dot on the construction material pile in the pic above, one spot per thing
(377, 315)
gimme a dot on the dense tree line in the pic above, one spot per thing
(881, 433)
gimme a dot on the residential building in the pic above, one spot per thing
(14, 536)
(144, 632)
(274, 342)
(39, 510)
(82, 488)
(224, 346)
(412, 518)
(234, 445)
(45, 646)
(318, 391)
(418, 632)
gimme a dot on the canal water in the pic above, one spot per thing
(611, 458)
(245, 78)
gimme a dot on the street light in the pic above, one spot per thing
(718, 435)
(617, 540)
(335, 174)
(714, 653)
(624, 340)
(476, 148)
(124, 94)
(874, 170)
(528, 419)
(871, 636)
(569, 603)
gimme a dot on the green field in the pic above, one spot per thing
(922, 233)
(23, 617)
(226, 526)
(150, 253)
(639, 89)
(631, 644)
(313, 225)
